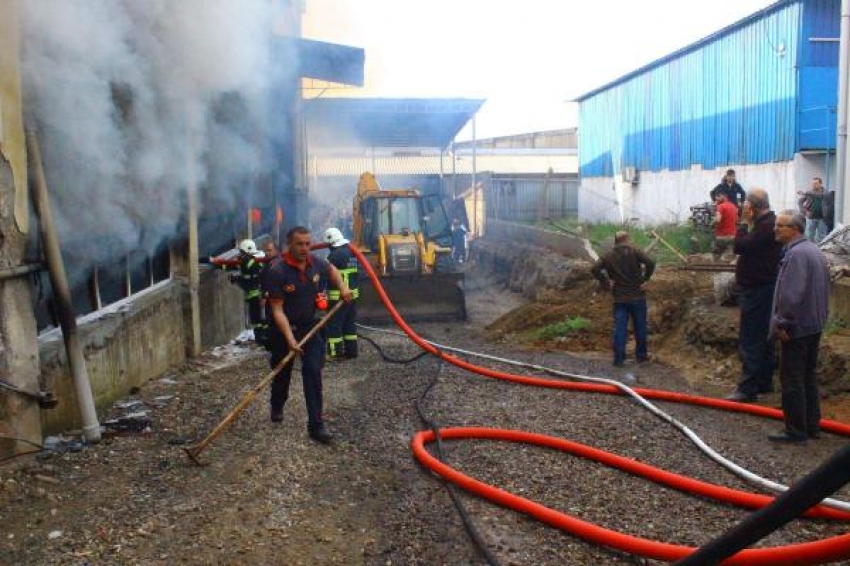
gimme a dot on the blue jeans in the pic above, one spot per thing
(757, 353)
(622, 312)
(816, 229)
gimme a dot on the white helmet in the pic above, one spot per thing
(250, 248)
(334, 237)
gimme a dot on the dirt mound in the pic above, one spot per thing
(669, 291)
(687, 328)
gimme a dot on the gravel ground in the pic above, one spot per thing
(269, 495)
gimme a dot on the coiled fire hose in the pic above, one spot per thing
(690, 434)
(818, 552)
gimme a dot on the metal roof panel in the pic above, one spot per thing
(386, 122)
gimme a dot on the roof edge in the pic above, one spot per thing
(688, 48)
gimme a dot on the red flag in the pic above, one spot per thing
(256, 215)
(279, 214)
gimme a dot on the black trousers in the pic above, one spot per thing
(342, 331)
(758, 354)
(800, 397)
(311, 376)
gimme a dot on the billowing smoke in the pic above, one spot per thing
(133, 100)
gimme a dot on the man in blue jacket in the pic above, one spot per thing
(800, 310)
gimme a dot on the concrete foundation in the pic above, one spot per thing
(135, 340)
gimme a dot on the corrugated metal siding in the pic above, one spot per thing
(730, 102)
(818, 91)
(821, 19)
(522, 200)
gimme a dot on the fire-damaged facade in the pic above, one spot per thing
(136, 141)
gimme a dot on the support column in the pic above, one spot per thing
(184, 258)
(20, 417)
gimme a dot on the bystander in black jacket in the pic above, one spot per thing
(758, 253)
(734, 192)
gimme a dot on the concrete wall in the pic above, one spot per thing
(135, 340)
(666, 196)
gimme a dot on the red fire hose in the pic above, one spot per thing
(818, 552)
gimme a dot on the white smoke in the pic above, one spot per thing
(135, 99)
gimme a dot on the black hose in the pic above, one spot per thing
(822, 482)
(471, 530)
(390, 359)
(39, 447)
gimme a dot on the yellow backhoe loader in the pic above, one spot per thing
(406, 237)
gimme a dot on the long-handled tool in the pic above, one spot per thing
(670, 246)
(194, 451)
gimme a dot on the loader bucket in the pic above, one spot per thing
(436, 297)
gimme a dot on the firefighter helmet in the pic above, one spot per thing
(250, 247)
(334, 237)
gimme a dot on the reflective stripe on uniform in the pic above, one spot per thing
(347, 273)
(349, 337)
(334, 346)
(334, 295)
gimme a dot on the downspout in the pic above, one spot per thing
(62, 295)
(841, 200)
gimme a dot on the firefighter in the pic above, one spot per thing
(294, 286)
(248, 279)
(341, 329)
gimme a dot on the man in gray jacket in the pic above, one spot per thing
(800, 310)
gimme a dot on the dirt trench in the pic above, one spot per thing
(688, 329)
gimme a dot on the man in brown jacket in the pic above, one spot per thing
(626, 271)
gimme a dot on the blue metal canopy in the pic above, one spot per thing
(386, 122)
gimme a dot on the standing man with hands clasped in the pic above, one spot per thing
(800, 310)
(293, 285)
(755, 273)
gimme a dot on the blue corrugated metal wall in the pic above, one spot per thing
(729, 101)
(818, 91)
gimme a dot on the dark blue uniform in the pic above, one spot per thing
(342, 328)
(298, 288)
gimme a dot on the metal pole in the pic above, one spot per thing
(474, 188)
(442, 176)
(841, 195)
(62, 295)
(454, 172)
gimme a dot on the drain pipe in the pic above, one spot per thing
(62, 295)
(20, 270)
(840, 186)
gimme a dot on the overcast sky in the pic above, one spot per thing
(528, 58)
